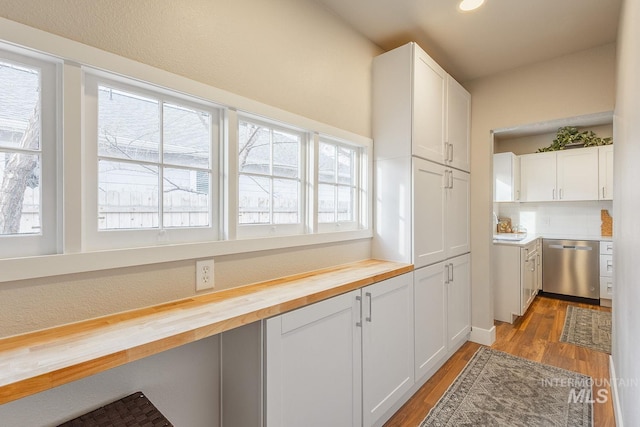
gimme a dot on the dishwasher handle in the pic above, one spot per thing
(572, 247)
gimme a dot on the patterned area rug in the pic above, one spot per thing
(498, 389)
(587, 328)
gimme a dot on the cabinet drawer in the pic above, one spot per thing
(606, 248)
(606, 287)
(606, 265)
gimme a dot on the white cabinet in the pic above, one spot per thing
(538, 177)
(442, 308)
(458, 300)
(428, 100)
(577, 177)
(506, 177)
(387, 346)
(343, 361)
(313, 355)
(422, 211)
(458, 119)
(456, 222)
(606, 272)
(419, 109)
(563, 175)
(430, 198)
(516, 278)
(430, 308)
(605, 171)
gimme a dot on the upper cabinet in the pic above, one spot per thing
(577, 177)
(538, 177)
(421, 107)
(560, 176)
(605, 171)
(458, 126)
(506, 177)
(428, 104)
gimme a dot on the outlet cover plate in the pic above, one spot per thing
(204, 274)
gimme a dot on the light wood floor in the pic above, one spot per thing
(535, 336)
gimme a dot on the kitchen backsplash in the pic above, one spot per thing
(570, 218)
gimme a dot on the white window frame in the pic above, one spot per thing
(93, 238)
(359, 186)
(72, 254)
(245, 231)
(47, 241)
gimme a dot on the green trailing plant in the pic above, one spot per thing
(569, 135)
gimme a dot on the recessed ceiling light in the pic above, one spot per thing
(468, 5)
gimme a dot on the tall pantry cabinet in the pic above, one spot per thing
(421, 126)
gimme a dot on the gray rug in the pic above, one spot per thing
(498, 389)
(587, 328)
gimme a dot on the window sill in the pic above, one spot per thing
(71, 263)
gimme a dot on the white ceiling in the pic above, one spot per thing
(501, 35)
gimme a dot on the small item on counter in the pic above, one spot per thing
(606, 228)
(519, 229)
(504, 225)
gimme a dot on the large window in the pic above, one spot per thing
(28, 139)
(269, 178)
(338, 183)
(156, 166)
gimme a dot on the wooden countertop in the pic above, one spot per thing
(40, 360)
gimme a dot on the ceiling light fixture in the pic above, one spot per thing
(469, 5)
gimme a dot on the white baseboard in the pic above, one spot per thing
(483, 336)
(617, 410)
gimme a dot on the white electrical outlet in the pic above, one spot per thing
(204, 274)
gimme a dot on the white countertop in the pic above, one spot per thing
(559, 236)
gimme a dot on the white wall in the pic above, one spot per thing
(573, 85)
(626, 228)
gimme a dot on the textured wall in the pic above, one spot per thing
(573, 85)
(290, 54)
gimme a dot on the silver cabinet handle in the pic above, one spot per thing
(359, 322)
(517, 194)
(446, 280)
(445, 179)
(451, 152)
(553, 194)
(451, 179)
(451, 272)
(560, 194)
(538, 256)
(603, 196)
(368, 318)
(610, 247)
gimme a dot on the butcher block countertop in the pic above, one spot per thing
(41, 360)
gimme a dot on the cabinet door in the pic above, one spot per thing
(429, 89)
(457, 214)
(387, 346)
(458, 300)
(430, 301)
(313, 365)
(428, 212)
(577, 174)
(538, 177)
(605, 171)
(529, 283)
(458, 120)
(506, 177)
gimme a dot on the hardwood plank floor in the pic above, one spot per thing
(534, 336)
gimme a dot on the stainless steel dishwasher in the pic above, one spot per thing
(571, 267)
